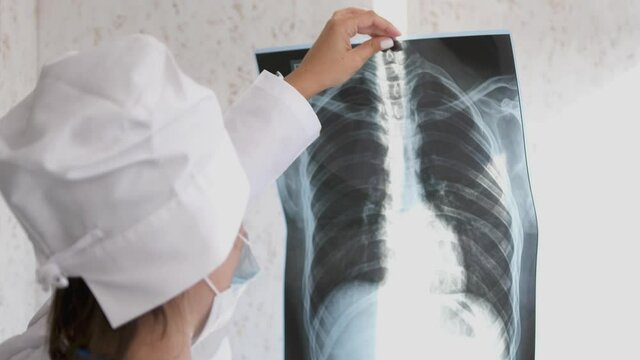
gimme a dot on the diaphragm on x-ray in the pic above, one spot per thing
(410, 221)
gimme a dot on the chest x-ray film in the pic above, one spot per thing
(411, 230)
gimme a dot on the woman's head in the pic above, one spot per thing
(140, 195)
(139, 188)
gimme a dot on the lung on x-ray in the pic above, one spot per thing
(411, 230)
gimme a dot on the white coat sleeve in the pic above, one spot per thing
(270, 126)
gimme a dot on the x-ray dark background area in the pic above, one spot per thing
(411, 227)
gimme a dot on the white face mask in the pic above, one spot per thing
(224, 303)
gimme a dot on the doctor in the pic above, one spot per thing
(131, 185)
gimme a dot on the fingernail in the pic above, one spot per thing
(386, 43)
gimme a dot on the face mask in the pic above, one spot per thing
(224, 304)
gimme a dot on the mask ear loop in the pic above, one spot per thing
(245, 239)
(213, 287)
(209, 282)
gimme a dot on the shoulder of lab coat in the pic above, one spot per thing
(270, 125)
(32, 344)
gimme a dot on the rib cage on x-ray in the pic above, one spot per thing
(466, 185)
(412, 234)
(348, 183)
(348, 188)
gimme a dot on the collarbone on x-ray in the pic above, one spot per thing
(410, 217)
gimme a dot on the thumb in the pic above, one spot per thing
(367, 49)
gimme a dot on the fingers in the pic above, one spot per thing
(367, 49)
(332, 59)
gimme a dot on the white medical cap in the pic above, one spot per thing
(121, 171)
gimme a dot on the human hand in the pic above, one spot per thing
(332, 60)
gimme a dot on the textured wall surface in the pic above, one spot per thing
(574, 60)
(213, 41)
(19, 295)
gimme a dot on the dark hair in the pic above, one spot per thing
(78, 326)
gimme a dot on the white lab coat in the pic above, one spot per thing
(269, 112)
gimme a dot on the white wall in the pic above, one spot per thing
(574, 60)
(19, 295)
